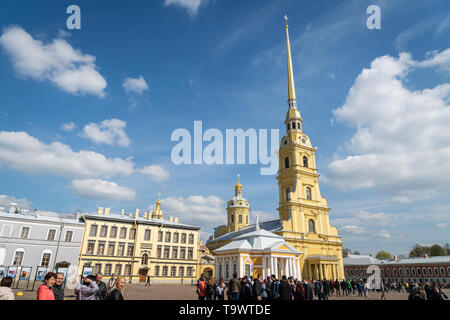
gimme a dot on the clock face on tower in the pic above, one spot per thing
(303, 139)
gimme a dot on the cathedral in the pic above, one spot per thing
(303, 223)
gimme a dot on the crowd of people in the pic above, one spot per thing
(90, 288)
(289, 288)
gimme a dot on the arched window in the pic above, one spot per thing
(298, 125)
(286, 162)
(288, 194)
(18, 257)
(232, 218)
(240, 218)
(308, 193)
(293, 125)
(145, 259)
(289, 126)
(305, 162)
(311, 226)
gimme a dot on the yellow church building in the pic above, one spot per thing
(304, 221)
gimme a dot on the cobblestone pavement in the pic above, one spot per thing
(187, 292)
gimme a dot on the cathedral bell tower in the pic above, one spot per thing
(238, 210)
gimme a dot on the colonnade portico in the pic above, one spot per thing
(321, 269)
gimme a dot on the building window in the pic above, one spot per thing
(289, 126)
(156, 271)
(168, 235)
(413, 272)
(174, 252)
(448, 271)
(166, 252)
(394, 272)
(183, 253)
(93, 231)
(113, 232)
(234, 268)
(103, 231)
(442, 271)
(128, 269)
(132, 234)
(288, 194)
(130, 249)
(121, 249)
(424, 272)
(158, 252)
(183, 238)
(430, 272)
(165, 270)
(69, 235)
(311, 226)
(191, 239)
(189, 271)
(25, 232)
(181, 271)
(97, 268)
(45, 261)
(101, 248)
(118, 271)
(227, 271)
(108, 268)
(286, 162)
(308, 193)
(418, 272)
(111, 249)
(160, 236)
(293, 125)
(305, 162)
(144, 259)
(436, 272)
(147, 235)
(123, 233)
(298, 125)
(90, 247)
(18, 257)
(176, 235)
(382, 272)
(173, 271)
(51, 235)
(220, 271)
(232, 218)
(190, 254)
(240, 218)
(407, 272)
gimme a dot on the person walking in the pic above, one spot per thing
(5, 289)
(257, 288)
(285, 289)
(234, 287)
(111, 283)
(220, 290)
(102, 290)
(58, 287)
(116, 294)
(45, 291)
(87, 289)
(201, 288)
(148, 281)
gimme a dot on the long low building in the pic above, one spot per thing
(422, 269)
(37, 239)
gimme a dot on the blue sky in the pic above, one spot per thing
(381, 133)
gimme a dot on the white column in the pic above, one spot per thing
(275, 267)
(285, 266)
(223, 275)
(299, 273)
(241, 267)
(291, 267)
(269, 267)
(264, 267)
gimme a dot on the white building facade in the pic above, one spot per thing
(38, 239)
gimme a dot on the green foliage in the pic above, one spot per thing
(383, 255)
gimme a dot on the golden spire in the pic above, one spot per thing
(291, 84)
(157, 213)
(238, 185)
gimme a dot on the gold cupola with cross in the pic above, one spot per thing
(238, 210)
(158, 213)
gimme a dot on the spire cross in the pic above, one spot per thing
(286, 18)
(238, 177)
(159, 195)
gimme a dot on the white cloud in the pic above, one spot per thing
(382, 234)
(58, 62)
(6, 200)
(102, 190)
(138, 85)
(155, 172)
(110, 132)
(202, 211)
(351, 229)
(191, 6)
(443, 225)
(22, 152)
(401, 142)
(68, 126)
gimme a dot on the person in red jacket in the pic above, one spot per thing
(45, 291)
(201, 289)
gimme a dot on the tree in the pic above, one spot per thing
(356, 253)
(436, 250)
(383, 255)
(419, 251)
